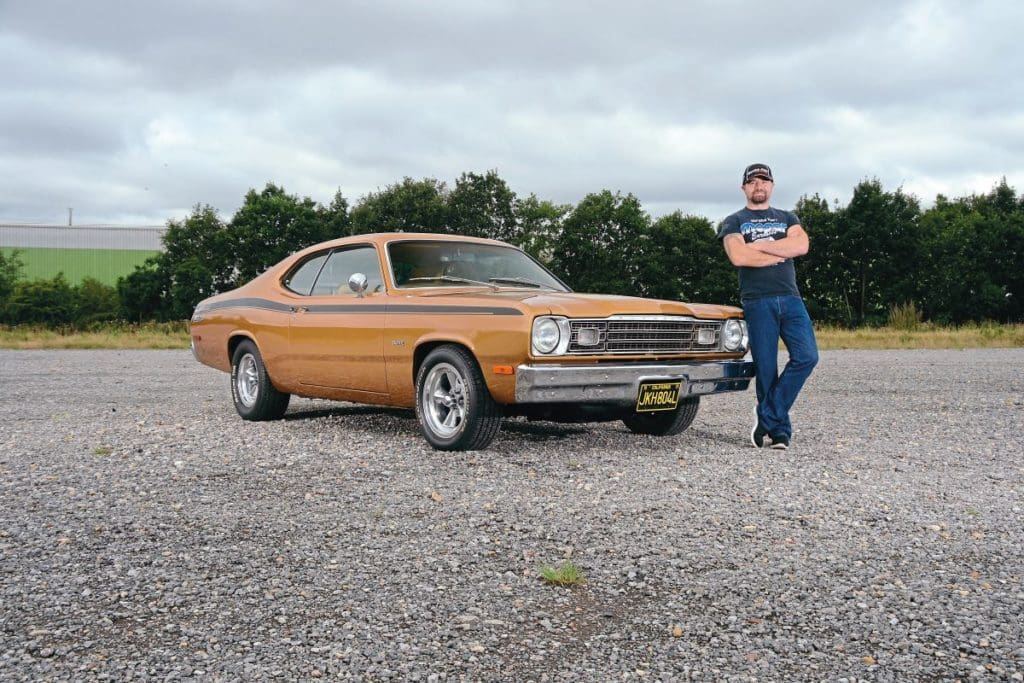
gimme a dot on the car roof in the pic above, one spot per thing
(383, 238)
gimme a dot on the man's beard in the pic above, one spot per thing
(759, 197)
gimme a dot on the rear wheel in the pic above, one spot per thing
(666, 423)
(254, 394)
(454, 408)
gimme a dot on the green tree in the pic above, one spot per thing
(336, 218)
(877, 249)
(189, 284)
(10, 272)
(597, 250)
(95, 302)
(1004, 240)
(482, 206)
(202, 236)
(270, 225)
(539, 223)
(681, 259)
(1000, 252)
(973, 255)
(42, 302)
(408, 206)
(197, 261)
(203, 255)
(821, 273)
(145, 292)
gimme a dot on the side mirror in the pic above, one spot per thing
(357, 283)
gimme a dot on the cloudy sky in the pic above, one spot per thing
(133, 112)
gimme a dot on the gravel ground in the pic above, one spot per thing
(147, 532)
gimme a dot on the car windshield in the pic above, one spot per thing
(427, 263)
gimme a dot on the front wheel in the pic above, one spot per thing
(254, 395)
(453, 406)
(667, 423)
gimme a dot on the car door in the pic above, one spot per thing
(336, 335)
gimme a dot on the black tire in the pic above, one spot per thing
(453, 406)
(667, 423)
(254, 394)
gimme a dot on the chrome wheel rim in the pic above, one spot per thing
(247, 380)
(444, 400)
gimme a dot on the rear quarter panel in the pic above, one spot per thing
(214, 334)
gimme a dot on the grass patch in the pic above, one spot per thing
(923, 336)
(173, 335)
(905, 316)
(566, 574)
(105, 265)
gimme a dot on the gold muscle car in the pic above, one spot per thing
(466, 331)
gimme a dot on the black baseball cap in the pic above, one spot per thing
(757, 171)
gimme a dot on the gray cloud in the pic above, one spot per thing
(138, 111)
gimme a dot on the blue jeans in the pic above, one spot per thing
(768, 320)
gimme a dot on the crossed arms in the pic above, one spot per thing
(766, 252)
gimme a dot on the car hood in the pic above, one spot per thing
(574, 305)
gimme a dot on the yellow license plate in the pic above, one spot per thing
(658, 396)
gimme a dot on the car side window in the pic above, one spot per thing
(301, 279)
(342, 264)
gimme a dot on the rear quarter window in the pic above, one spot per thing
(300, 280)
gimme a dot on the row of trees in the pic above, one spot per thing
(958, 261)
(54, 302)
(961, 260)
(606, 243)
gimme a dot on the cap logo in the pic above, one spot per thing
(757, 171)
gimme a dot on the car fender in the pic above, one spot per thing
(496, 365)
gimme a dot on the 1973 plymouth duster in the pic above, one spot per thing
(466, 331)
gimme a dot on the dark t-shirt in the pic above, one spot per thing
(756, 225)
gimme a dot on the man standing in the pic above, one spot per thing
(762, 242)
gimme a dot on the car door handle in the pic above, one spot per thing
(299, 309)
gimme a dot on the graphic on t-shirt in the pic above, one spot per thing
(766, 229)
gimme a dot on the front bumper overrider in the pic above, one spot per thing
(620, 383)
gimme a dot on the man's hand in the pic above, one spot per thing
(794, 244)
(743, 254)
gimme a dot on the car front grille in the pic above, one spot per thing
(643, 335)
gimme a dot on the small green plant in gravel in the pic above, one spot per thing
(566, 574)
(102, 450)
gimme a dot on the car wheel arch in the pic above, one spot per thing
(237, 338)
(423, 350)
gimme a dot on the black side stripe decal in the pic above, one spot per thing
(359, 308)
(480, 310)
(245, 303)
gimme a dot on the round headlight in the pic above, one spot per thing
(546, 335)
(734, 335)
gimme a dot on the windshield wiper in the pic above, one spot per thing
(452, 278)
(519, 281)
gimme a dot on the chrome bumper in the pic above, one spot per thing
(621, 383)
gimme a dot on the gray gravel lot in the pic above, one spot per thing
(147, 532)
